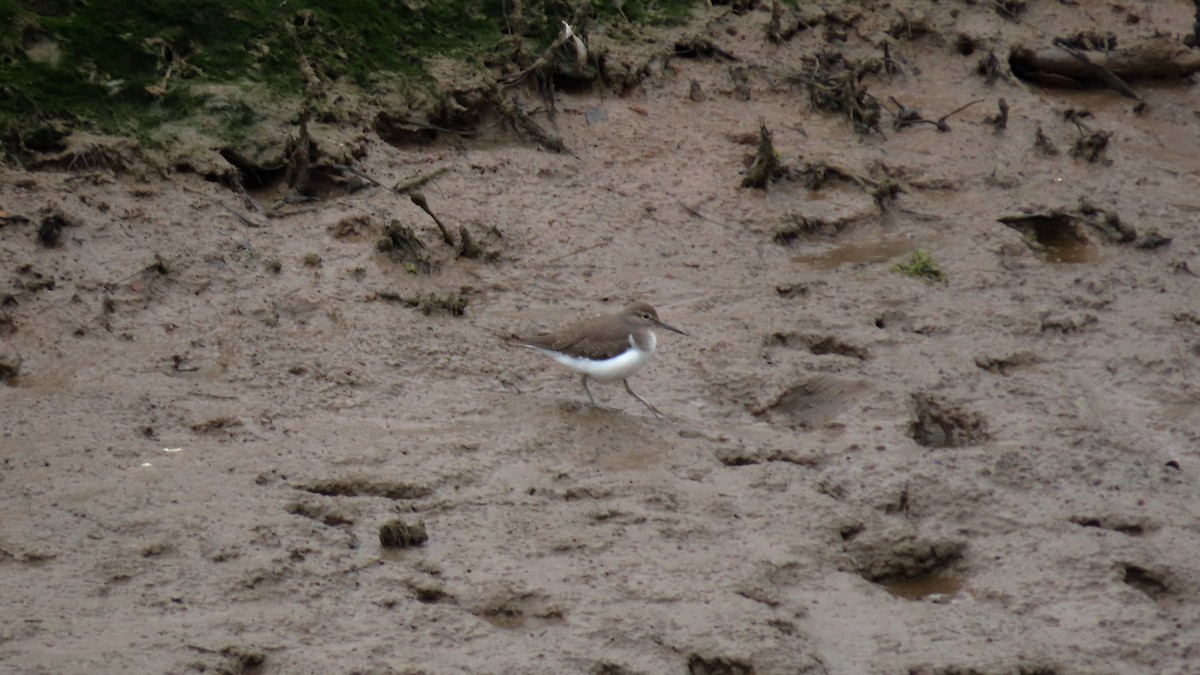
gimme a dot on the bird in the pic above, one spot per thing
(606, 348)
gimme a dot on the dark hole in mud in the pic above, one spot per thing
(819, 345)
(253, 177)
(965, 45)
(400, 132)
(717, 665)
(1003, 365)
(429, 595)
(792, 290)
(361, 488)
(322, 182)
(466, 114)
(698, 47)
(832, 345)
(573, 83)
(1130, 529)
(1057, 237)
(924, 586)
(46, 139)
(748, 457)
(609, 668)
(939, 425)
(49, 233)
(1145, 581)
(740, 460)
(849, 532)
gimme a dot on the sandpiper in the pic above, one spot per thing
(606, 348)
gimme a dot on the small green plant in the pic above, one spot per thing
(921, 266)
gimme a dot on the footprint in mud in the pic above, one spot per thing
(813, 402)
(515, 610)
(905, 564)
(941, 425)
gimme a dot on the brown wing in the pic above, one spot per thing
(600, 338)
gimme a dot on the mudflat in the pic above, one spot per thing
(937, 409)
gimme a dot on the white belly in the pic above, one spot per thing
(608, 370)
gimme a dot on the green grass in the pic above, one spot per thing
(112, 51)
(921, 266)
(128, 66)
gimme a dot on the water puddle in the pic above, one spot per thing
(925, 586)
(1058, 246)
(860, 253)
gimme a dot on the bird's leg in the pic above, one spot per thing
(588, 391)
(644, 402)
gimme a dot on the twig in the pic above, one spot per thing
(409, 188)
(522, 122)
(418, 181)
(434, 127)
(245, 218)
(582, 249)
(907, 117)
(1105, 75)
(941, 121)
(418, 198)
(1102, 73)
(695, 212)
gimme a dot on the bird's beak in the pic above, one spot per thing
(669, 327)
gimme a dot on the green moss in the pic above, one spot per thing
(652, 12)
(921, 266)
(126, 66)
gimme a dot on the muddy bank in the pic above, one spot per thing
(209, 413)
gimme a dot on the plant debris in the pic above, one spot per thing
(1044, 145)
(906, 117)
(765, 166)
(49, 232)
(402, 245)
(1093, 61)
(835, 84)
(1000, 121)
(802, 226)
(1152, 240)
(514, 113)
(1091, 147)
(396, 533)
(989, 67)
(448, 305)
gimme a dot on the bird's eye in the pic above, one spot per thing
(645, 315)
